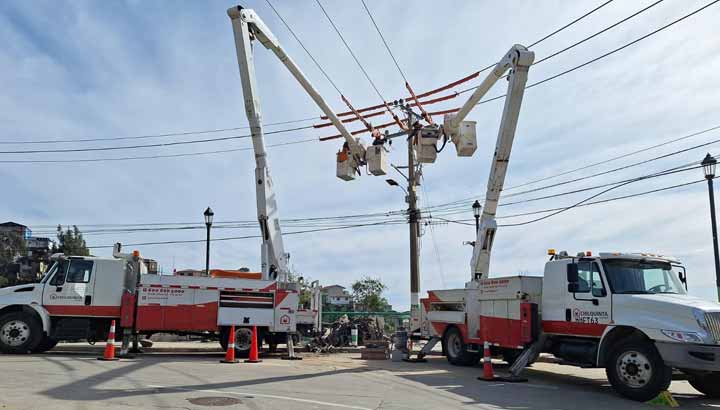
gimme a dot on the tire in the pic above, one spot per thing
(636, 370)
(45, 344)
(242, 340)
(20, 333)
(456, 349)
(707, 384)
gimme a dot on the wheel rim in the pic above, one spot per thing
(243, 339)
(634, 369)
(14, 333)
(454, 344)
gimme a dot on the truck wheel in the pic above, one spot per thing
(707, 384)
(636, 371)
(243, 337)
(456, 349)
(19, 333)
(45, 344)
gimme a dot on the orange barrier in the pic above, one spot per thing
(230, 354)
(109, 354)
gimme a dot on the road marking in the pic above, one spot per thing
(269, 396)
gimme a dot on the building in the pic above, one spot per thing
(21, 230)
(335, 297)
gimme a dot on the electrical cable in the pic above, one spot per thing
(350, 51)
(570, 23)
(189, 154)
(317, 64)
(165, 144)
(170, 134)
(387, 47)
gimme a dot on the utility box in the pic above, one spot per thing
(345, 169)
(376, 157)
(466, 139)
(426, 147)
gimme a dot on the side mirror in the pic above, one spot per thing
(573, 287)
(572, 273)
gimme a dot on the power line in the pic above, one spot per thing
(570, 23)
(681, 151)
(317, 64)
(170, 134)
(350, 50)
(164, 144)
(618, 198)
(189, 154)
(641, 150)
(599, 57)
(610, 27)
(387, 47)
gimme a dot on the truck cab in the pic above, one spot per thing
(631, 314)
(75, 300)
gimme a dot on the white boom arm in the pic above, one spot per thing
(518, 59)
(247, 26)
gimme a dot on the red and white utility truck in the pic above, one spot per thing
(628, 313)
(79, 296)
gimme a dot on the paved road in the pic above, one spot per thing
(73, 380)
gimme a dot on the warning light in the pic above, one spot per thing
(136, 253)
(551, 252)
(588, 253)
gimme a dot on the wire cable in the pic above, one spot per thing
(169, 134)
(350, 51)
(387, 47)
(570, 23)
(317, 64)
(189, 154)
(157, 145)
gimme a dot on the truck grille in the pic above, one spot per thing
(713, 322)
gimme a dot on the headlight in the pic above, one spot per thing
(700, 318)
(689, 337)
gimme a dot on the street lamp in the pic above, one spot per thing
(708, 164)
(208, 223)
(476, 212)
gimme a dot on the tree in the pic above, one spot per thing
(70, 242)
(12, 244)
(367, 293)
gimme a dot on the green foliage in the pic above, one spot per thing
(70, 242)
(12, 244)
(4, 281)
(367, 294)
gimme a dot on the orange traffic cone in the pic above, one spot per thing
(230, 354)
(109, 354)
(253, 358)
(488, 373)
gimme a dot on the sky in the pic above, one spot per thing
(88, 69)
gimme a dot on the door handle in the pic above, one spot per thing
(88, 300)
(58, 289)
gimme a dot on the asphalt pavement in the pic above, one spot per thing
(71, 379)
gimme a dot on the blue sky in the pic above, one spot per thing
(105, 69)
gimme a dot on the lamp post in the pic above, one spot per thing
(708, 164)
(476, 212)
(208, 223)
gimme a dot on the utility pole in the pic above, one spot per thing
(414, 221)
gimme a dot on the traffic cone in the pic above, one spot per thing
(253, 357)
(488, 374)
(109, 354)
(230, 354)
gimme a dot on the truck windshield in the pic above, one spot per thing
(641, 277)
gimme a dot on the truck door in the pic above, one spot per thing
(588, 309)
(70, 291)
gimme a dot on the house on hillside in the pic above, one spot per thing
(21, 230)
(335, 297)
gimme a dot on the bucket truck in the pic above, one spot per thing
(627, 313)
